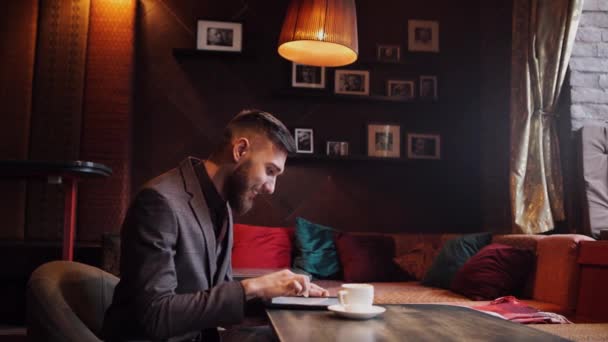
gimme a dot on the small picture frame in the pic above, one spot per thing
(337, 148)
(219, 36)
(423, 146)
(351, 82)
(307, 76)
(384, 140)
(388, 53)
(423, 35)
(304, 140)
(428, 88)
(400, 89)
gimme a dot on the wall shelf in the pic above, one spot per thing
(306, 158)
(324, 94)
(195, 53)
(371, 62)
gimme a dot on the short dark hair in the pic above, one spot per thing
(262, 122)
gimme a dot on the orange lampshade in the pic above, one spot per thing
(320, 32)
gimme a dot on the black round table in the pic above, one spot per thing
(68, 173)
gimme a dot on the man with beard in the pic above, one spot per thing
(176, 282)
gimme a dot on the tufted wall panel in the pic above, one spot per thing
(107, 114)
(57, 105)
(17, 48)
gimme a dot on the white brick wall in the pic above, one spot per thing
(589, 67)
(595, 19)
(588, 80)
(589, 34)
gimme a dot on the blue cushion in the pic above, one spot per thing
(452, 256)
(315, 250)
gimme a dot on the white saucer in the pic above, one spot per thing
(373, 311)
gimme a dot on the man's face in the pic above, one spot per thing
(255, 174)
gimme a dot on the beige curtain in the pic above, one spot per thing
(543, 36)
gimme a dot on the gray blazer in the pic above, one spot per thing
(173, 284)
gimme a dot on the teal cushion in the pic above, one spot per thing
(452, 256)
(315, 250)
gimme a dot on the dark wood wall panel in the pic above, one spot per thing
(106, 134)
(17, 47)
(165, 87)
(495, 90)
(57, 105)
(182, 104)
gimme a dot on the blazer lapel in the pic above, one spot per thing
(225, 268)
(199, 207)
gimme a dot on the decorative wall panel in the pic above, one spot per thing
(495, 91)
(57, 105)
(17, 46)
(106, 134)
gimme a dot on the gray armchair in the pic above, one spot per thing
(66, 301)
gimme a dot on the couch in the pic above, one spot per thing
(551, 286)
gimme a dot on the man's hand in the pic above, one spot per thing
(317, 291)
(282, 283)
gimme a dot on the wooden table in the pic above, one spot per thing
(67, 173)
(410, 322)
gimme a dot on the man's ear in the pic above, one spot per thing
(240, 148)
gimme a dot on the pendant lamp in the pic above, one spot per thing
(320, 33)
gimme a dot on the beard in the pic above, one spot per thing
(237, 188)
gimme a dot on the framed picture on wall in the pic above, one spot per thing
(219, 36)
(428, 88)
(423, 35)
(384, 140)
(307, 76)
(388, 53)
(352, 82)
(304, 140)
(423, 146)
(400, 89)
(337, 148)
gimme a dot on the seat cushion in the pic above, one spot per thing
(315, 249)
(496, 270)
(406, 292)
(416, 261)
(261, 247)
(453, 255)
(368, 258)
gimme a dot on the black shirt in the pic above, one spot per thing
(215, 202)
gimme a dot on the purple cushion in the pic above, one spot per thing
(496, 270)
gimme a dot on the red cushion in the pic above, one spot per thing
(367, 258)
(496, 270)
(261, 247)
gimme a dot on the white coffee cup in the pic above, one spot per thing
(356, 297)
